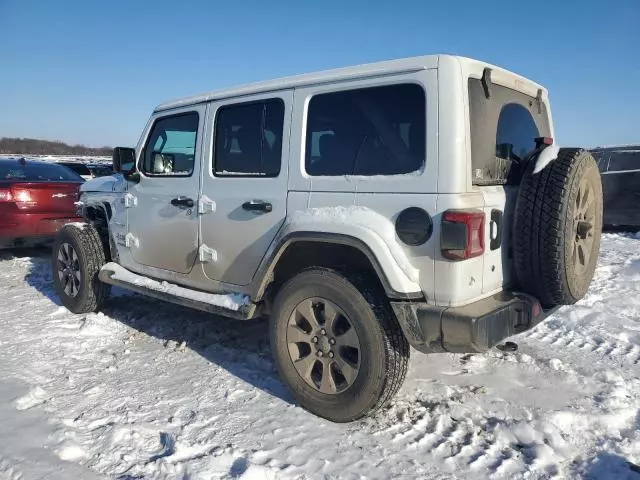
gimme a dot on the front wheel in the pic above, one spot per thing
(77, 257)
(337, 344)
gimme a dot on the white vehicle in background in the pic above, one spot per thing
(418, 202)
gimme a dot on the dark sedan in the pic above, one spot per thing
(620, 170)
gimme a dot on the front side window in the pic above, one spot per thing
(171, 147)
(368, 131)
(248, 139)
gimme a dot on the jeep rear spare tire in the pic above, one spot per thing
(557, 228)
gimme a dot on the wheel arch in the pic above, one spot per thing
(284, 259)
(99, 214)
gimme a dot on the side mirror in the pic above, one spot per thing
(124, 160)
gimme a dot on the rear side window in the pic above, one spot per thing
(624, 161)
(171, 146)
(369, 131)
(503, 129)
(248, 139)
(37, 172)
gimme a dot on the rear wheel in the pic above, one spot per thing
(77, 257)
(337, 345)
(557, 228)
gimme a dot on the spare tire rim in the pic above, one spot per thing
(69, 270)
(323, 345)
(584, 221)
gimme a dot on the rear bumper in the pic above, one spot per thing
(476, 327)
(26, 229)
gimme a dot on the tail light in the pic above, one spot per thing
(21, 197)
(462, 234)
(5, 195)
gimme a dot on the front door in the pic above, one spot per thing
(163, 220)
(246, 180)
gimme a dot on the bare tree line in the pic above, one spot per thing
(32, 146)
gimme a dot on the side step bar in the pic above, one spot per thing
(229, 305)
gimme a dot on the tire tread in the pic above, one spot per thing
(88, 239)
(540, 227)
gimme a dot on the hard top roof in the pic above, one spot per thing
(387, 67)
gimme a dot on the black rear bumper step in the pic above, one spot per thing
(472, 328)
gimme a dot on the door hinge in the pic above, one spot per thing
(206, 205)
(207, 255)
(131, 240)
(130, 200)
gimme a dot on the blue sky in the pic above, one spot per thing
(90, 72)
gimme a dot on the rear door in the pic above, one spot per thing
(244, 183)
(503, 129)
(163, 220)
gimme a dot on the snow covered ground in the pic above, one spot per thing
(151, 390)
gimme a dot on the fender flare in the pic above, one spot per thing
(264, 274)
(106, 210)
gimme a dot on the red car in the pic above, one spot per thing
(36, 199)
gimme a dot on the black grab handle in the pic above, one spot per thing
(182, 202)
(257, 206)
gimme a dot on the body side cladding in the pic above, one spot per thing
(265, 274)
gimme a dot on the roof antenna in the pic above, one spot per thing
(486, 82)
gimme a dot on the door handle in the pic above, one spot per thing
(257, 206)
(182, 202)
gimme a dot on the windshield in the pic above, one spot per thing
(37, 172)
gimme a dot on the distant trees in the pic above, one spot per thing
(32, 146)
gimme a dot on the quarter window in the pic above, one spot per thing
(171, 146)
(248, 139)
(368, 131)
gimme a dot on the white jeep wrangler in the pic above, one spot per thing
(419, 202)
